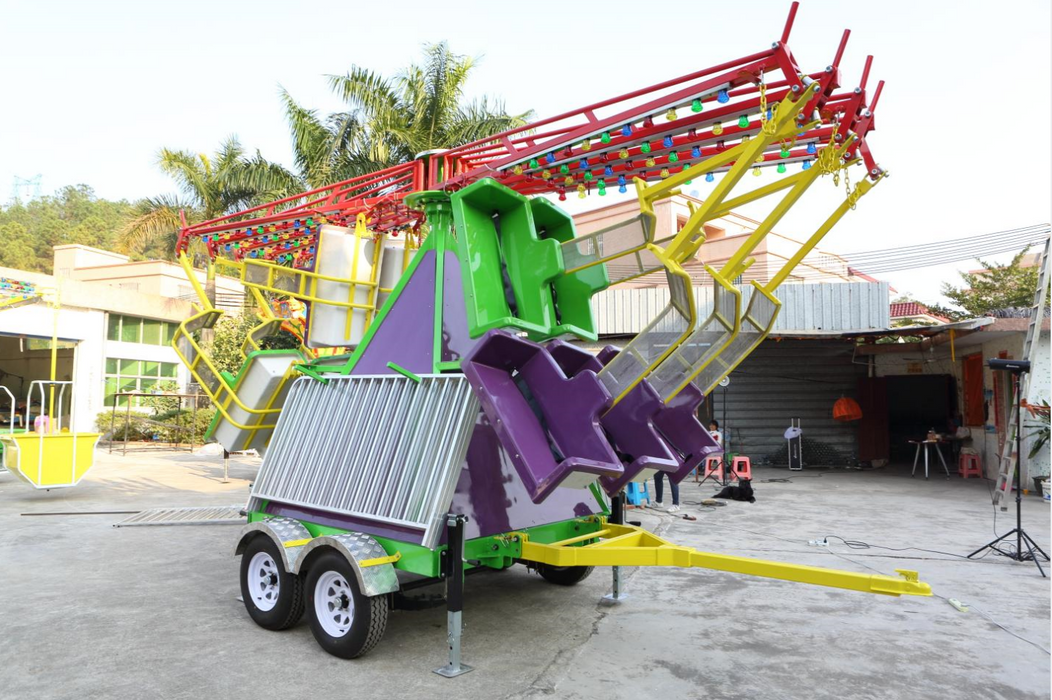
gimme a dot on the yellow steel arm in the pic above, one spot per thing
(626, 545)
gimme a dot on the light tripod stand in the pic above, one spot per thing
(1032, 552)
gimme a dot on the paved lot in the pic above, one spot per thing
(92, 611)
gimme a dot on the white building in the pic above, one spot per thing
(115, 323)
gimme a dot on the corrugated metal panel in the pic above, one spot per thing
(847, 306)
(789, 379)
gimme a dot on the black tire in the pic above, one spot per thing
(368, 621)
(564, 575)
(287, 609)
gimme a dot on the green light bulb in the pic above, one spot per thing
(605, 138)
(781, 167)
(743, 121)
(534, 163)
(673, 157)
(696, 106)
(564, 169)
(645, 147)
(784, 153)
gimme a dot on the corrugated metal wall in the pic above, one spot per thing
(847, 306)
(788, 379)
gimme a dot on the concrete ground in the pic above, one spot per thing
(92, 611)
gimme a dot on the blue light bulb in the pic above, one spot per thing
(722, 97)
(768, 115)
(626, 130)
(695, 152)
(622, 189)
(608, 171)
(584, 163)
(807, 165)
(811, 150)
(709, 177)
(621, 181)
(667, 141)
(550, 157)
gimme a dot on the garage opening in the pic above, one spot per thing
(23, 360)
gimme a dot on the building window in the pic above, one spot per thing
(132, 329)
(973, 389)
(134, 375)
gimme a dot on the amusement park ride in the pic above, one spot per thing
(459, 429)
(41, 452)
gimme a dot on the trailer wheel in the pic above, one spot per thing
(564, 575)
(273, 597)
(345, 622)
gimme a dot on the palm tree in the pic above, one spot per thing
(390, 120)
(209, 187)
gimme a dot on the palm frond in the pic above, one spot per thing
(153, 219)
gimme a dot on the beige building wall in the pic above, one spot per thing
(724, 236)
(153, 277)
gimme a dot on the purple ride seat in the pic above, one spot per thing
(676, 422)
(629, 424)
(569, 411)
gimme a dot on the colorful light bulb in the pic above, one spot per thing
(626, 130)
(664, 172)
(562, 194)
(743, 121)
(722, 97)
(546, 174)
(586, 145)
(568, 181)
(807, 165)
(811, 149)
(695, 152)
(621, 179)
(564, 169)
(667, 142)
(583, 164)
(644, 147)
(534, 163)
(781, 167)
(648, 122)
(709, 177)
(588, 175)
(623, 153)
(650, 162)
(756, 171)
(605, 138)
(608, 171)
(695, 105)
(673, 157)
(622, 188)
(717, 129)
(517, 170)
(784, 153)
(550, 157)
(671, 115)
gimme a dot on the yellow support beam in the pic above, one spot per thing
(627, 545)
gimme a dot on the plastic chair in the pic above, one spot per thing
(637, 493)
(713, 465)
(741, 468)
(969, 464)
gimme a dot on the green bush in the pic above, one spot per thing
(165, 427)
(125, 425)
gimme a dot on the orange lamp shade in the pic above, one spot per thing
(846, 409)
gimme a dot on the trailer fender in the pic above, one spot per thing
(362, 551)
(282, 531)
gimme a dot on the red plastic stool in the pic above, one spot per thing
(741, 468)
(713, 465)
(969, 465)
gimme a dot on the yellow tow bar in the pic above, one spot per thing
(626, 545)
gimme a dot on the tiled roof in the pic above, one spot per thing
(909, 309)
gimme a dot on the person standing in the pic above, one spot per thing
(659, 487)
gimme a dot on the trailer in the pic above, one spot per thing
(458, 428)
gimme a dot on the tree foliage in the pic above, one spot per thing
(209, 186)
(997, 286)
(389, 121)
(72, 215)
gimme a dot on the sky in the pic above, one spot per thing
(963, 126)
